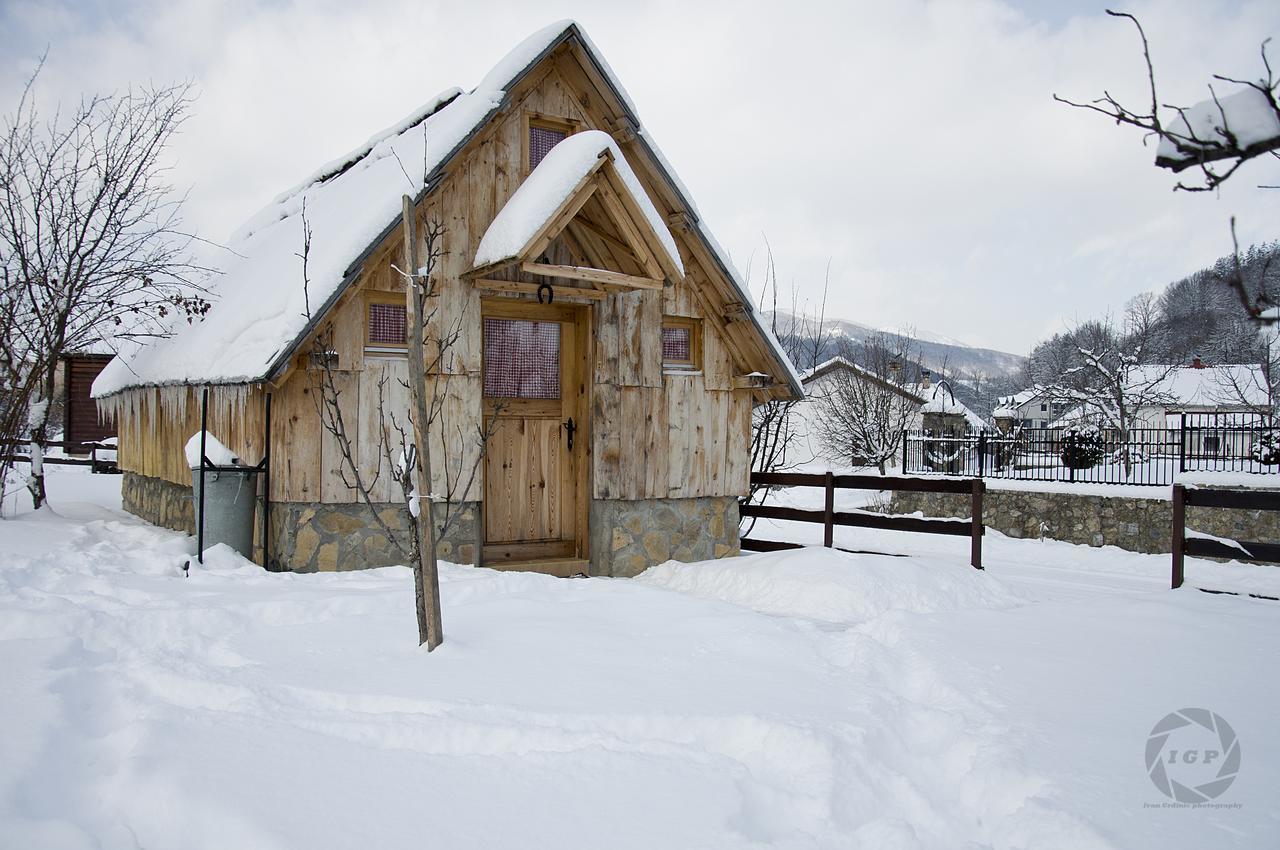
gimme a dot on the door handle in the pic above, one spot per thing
(569, 428)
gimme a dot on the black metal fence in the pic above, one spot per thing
(1227, 442)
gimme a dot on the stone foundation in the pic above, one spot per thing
(628, 536)
(310, 537)
(1139, 525)
(159, 502)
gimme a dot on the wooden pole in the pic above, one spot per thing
(1179, 534)
(426, 571)
(975, 547)
(829, 511)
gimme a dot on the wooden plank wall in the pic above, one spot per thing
(653, 435)
(155, 424)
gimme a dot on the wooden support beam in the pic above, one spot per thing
(622, 217)
(680, 221)
(624, 130)
(601, 276)
(754, 381)
(532, 289)
(736, 312)
(608, 239)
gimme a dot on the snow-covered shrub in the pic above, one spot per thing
(1082, 448)
(1128, 454)
(1266, 449)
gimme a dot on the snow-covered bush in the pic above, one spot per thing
(1082, 448)
(1132, 455)
(1266, 449)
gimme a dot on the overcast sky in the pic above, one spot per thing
(913, 146)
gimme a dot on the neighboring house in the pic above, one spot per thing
(1032, 408)
(1202, 389)
(1222, 406)
(81, 422)
(924, 396)
(808, 447)
(546, 183)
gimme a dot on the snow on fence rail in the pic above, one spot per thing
(9, 453)
(1203, 546)
(1230, 442)
(828, 517)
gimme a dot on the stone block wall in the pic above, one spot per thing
(628, 536)
(159, 502)
(1139, 525)
(311, 537)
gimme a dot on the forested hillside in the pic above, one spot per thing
(1197, 316)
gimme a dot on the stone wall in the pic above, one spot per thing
(310, 537)
(159, 502)
(628, 536)
(1139, 525)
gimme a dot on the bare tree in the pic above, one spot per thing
(403, 445)
(864, 411)
(1107, 378)
(773, 423)
(90, 248)
(1215, 137)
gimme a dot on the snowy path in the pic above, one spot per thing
(812, 699)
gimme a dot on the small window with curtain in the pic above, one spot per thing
(681, 344)
(545, 134)
(521, 359)
(386, 329)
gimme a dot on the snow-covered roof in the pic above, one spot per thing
(826, 366)
(940, 400)
(551, 184)
(1233, 385)
(1020, 398)
(261, 309)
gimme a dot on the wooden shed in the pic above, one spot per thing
(82, 424)
(542, 177)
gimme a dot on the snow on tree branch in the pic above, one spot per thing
(1215, 136)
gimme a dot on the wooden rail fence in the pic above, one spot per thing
(829, 518)
(8, 452)
(1204, 547)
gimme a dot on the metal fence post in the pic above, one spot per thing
(204, 433)
(1182, 443)
(975, 529)
(906, 437)
(1179, 533)
(828, 512)
(982, 453)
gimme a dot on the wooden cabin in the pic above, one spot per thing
(649, 344)
(81, 422)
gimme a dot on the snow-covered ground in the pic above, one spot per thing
(805, 699)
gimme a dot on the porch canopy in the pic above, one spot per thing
(584, 197)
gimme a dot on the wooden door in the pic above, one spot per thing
(534, 401)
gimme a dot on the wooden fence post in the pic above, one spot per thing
(975, 554)
(1179, 533)
(828, 512)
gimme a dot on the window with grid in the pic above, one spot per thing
(541, 141)
(680, 343)
(386, 328)
(521, 359)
